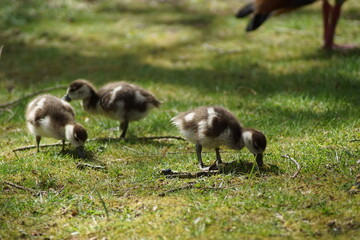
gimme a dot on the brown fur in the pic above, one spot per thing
(222, 121)
(53, 107)
(200, 114)
(94, 98)
(79, 83)
(127, 94)
(80, 133)
(259, 140)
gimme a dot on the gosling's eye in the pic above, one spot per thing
(74, 87)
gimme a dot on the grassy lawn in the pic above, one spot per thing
(189, 53)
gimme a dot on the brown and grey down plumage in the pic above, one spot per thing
(49, 116)
(120, 101)
(214, 126)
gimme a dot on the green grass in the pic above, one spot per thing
(189, 54)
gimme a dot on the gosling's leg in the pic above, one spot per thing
(123, 127)
(201, 164)
(63, 145)
(218, 157)
(199, 158)
(215, 165)
(38, 138)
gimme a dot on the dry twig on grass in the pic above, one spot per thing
(134, 138)
(355, 140)
(34, 146)
(171, 174)
(99, 140)
(11, 103)
(297, 165)
(36, 192)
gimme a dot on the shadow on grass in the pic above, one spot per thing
(313, 81)
(73, 153)
(235, 168)
(244, 167)
(318, 82)
(157, 141)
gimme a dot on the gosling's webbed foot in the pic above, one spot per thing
(213, 166)
(205, 168)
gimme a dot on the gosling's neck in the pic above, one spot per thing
(91, 102)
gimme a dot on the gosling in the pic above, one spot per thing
(214, 126)
(49, 116)
(118, 100)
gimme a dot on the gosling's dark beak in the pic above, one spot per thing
(66, 98)
(81, 152)
(259, 159)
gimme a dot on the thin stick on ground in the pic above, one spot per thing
(164, 153)
(298, 167)
(134, 138)
(24, 188)
(14, 102)
(133, 150)
(173, 174)
(99, 140)
(355, 140)
(34, 146)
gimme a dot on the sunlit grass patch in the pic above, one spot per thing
(189, 54)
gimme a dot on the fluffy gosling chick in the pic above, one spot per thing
(214, 126)
(49, 116)
(118, 100)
